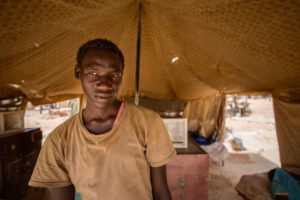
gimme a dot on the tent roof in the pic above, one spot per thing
(222, 46)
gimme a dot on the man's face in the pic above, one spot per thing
(101, 76)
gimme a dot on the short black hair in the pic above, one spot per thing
(100, 44)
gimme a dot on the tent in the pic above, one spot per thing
(191, 51)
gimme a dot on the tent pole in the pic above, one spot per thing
(137, 73)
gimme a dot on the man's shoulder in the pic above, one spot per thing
(140, 110)
(141, 115)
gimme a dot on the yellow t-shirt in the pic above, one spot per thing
(114, 165)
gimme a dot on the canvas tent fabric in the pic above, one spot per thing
(287, 128)
(206, 115)
(222, 46)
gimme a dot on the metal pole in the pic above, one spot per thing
(138, 49)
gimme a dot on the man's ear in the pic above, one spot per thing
(77, 72)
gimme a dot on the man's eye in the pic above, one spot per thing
(92, 73)
(116, 76)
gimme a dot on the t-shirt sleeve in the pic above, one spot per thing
(159, 150)
(50, 169)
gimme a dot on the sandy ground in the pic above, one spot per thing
(257, 132)
(47, 121)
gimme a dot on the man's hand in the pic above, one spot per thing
(63, 193)
(160, 189)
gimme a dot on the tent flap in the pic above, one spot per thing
(287, 117)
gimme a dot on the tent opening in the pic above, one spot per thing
(49, 116)
(251, 140)
(250, 126)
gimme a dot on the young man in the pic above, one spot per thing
(111, 149)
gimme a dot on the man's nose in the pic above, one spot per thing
(104, 81)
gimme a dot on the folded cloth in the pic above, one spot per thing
(283, 182)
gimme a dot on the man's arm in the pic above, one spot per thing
(160, 189)
(63, 193)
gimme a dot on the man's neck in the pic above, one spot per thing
(92, 112)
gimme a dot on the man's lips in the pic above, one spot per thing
(104, 95)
